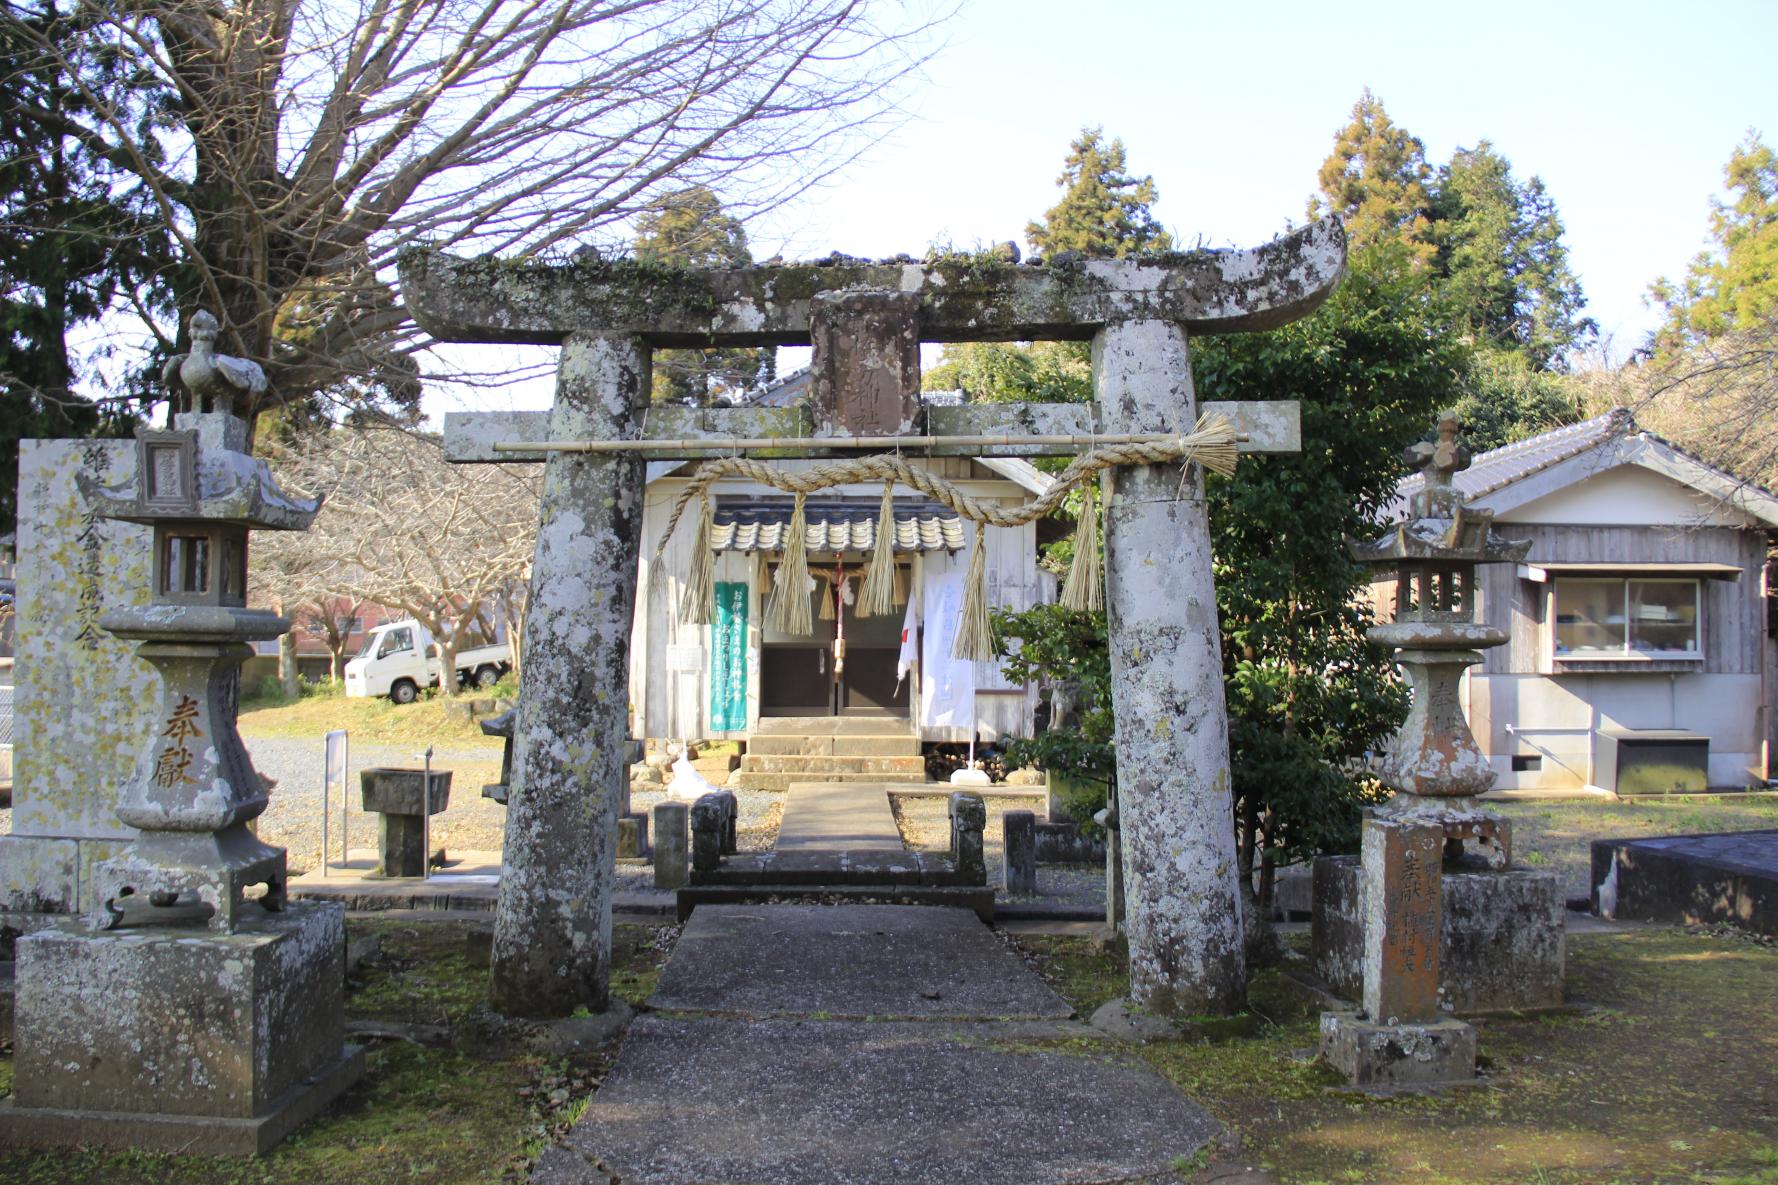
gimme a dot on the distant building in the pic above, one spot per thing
(1640, 656)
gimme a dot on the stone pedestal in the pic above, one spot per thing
(1425, 1053)
(400, 799)
(177, 1038)
(1502, 941)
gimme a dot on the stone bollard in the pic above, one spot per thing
(632, 836)
(671, 843)
(731, 813)
(398, 799)
(709, 825)
(1019, 872)
(969, 815)
(1114, 868)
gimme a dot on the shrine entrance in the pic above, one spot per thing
(846, 665)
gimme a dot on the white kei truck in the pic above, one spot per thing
(400, 657)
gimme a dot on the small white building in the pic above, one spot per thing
(717, 680)
(1639, 656)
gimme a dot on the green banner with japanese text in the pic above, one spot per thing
(728, 662)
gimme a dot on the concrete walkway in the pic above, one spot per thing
(855, 1044)
(838, 817)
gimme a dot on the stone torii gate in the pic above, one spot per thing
(552, 934)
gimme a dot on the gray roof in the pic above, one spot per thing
(1499, 467)
(836, 528)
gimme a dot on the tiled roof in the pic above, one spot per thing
(1499, 467)
(835, 528)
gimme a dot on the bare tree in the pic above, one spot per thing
(316, 139)
(1717, 397)
(402, 528)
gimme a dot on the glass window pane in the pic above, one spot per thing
(1664, 616)
(1589, 617)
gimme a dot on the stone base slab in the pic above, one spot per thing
(50, 1127)
(1376, 1055)
(981, 900)
(179, 1019)
(1503, 946)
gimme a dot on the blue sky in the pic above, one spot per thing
(1628, 111)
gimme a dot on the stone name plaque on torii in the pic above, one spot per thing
(553, 925)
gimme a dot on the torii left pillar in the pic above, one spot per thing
(552, 930)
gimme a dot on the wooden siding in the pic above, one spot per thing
(1733, 610)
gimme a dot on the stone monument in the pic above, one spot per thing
(1414, 859)
(180, 1014)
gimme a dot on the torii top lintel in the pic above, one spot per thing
(961, 298)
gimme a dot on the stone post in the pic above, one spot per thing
(1401, 904)
(1019, 872)
(1183, 907)
(969, 816)
(552, 927)
(671, 844)
(709, 826)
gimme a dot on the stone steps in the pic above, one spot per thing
(978, 899)
(869, 745)
(833, 726)
(782, 781)
(816, 769)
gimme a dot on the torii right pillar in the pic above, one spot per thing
(1182, 893)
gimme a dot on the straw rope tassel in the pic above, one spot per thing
(1084, 590)
(790, 593)
(700, 583)
(975, 632)
(877, 598)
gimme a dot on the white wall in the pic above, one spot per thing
(1630, 496)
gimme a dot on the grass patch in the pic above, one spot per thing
(1667, 1078)
(370, 720)
(444, 1116)
(1558, 835)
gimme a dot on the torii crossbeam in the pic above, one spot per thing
(866, 321)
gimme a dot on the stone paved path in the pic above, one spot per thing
(838, 816)
(756, 1064)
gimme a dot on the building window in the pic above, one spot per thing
(1606, 618)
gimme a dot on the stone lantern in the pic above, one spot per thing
(1414, 867)
(1433, 763)
(175, 1016)
(194, 790)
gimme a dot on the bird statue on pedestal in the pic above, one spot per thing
(208, 376)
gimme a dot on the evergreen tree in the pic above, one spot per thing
(1104, 212)
(1375, 180)
(1501, 263)
(1734, 285)
(77, 236)
(690, 229)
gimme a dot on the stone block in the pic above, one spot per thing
(39, 874)
(672, 843)
(1503, 936)
(399, 791)
(179, 1022)
(1431, 1053)
(1019, 869)
(1065, 843)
